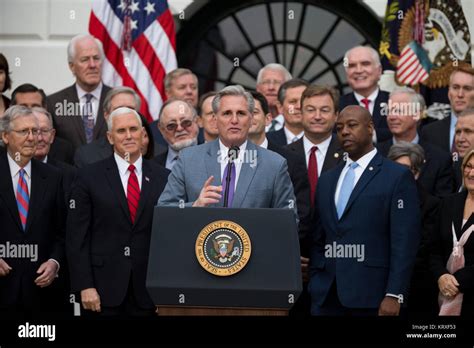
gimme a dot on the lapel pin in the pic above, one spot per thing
(371, 168)
(146, 178)
(336, 155)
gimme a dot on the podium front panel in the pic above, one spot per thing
(270, 279)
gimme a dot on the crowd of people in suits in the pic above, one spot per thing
(82, 170)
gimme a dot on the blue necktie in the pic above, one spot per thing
(88, 118)
(346, 189)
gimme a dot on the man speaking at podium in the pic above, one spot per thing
(230, 171)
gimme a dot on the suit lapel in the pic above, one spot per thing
(145, 190)
(113, 177)
(39, 185)
(245, 177)
(213, 166)
(458, 213)
(376, 113)
(335, 179)
(6, 190)
(447, 134)
(100, 123)
(372, 169)
(77, 121)
(333, 156)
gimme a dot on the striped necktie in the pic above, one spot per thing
(88, 118)
(133, 193)
(22, 198)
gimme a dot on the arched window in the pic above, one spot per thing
(227, 42)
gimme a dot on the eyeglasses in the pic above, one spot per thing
(468, 168)
(184, 124)
(45, 132)
(269, 82)
(26, 132)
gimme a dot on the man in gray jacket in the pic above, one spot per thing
(258, 178)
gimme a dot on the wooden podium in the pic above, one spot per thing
(186, 273)
(203, 311)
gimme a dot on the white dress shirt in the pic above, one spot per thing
(290, 137)
(371, 98)
(223, 159)
(280, 122)
(264, 144)
(125, 173)
(320, 152)
(81, 94)
(362, 162)
(15, 174)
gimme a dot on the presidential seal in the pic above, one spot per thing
(223, 248)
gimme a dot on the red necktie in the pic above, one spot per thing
(366, 102)
(313, 173)
(133, 192)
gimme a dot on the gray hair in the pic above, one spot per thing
(172, 75)
(71, 47)
(413, 151)
(119, 90)
(277, 67)
(372, 51)
(415, 97)
(11, 114)
(174, 100)
(122, 111)
(43, 111)
(233, 90)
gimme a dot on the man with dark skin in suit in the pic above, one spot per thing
(355, 130)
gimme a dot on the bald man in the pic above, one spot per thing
(368, 227)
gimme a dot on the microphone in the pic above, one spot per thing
(233, 154)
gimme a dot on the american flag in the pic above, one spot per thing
(414, 65)
(139, 45)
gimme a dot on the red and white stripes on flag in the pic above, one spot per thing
(413, 66)
(140, 53)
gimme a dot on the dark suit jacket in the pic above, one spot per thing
(299, 179)
(68, 172)
(334, 155)
(71, 127)
(436, 175)
(107, 249)
(373, 218)
(62, 150)
(441, 246)
(437, 133)
(161, 155)
(44, 228)
(277, 137)
(422, 299)
(380, 121)
(96, 151)
(458, 176)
